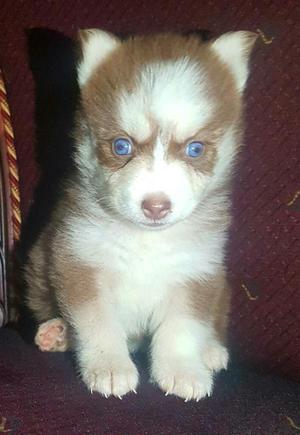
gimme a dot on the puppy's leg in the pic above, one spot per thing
(52, 336)
(177, 362)
(103, 355)
(100, 340)
(186, 349)
(40, 297)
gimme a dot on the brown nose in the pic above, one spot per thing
(156, 206)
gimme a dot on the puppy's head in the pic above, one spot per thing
(159, 118)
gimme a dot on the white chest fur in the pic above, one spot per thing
(145, 266)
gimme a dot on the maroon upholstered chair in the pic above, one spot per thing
(259, 394)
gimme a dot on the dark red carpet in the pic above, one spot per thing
(41, 395)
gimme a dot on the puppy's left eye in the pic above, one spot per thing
(194, 149)
(122, 147)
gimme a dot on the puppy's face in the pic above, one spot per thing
(162, 114)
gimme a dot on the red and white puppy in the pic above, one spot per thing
(136, 244)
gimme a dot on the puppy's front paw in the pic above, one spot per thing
(111, 377)
(188, 382)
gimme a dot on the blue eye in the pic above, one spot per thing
(122, 147)
(194, 149)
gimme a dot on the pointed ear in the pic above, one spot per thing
(96, 45)
(234, 49)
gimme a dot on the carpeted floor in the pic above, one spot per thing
(40, 394)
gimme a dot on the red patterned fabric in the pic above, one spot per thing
(10, 214)
(264, 248)
(10, 167)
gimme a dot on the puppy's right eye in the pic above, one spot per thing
(122, 147)
(194, 149)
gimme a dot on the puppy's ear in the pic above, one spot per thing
(95, 46)
(234, 49)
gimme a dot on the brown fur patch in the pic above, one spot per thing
(58, 284)
(210, 302)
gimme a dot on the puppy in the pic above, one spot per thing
(136, 245)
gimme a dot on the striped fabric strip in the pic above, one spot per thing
(12, 161)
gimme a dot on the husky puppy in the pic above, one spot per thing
(136, 245)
